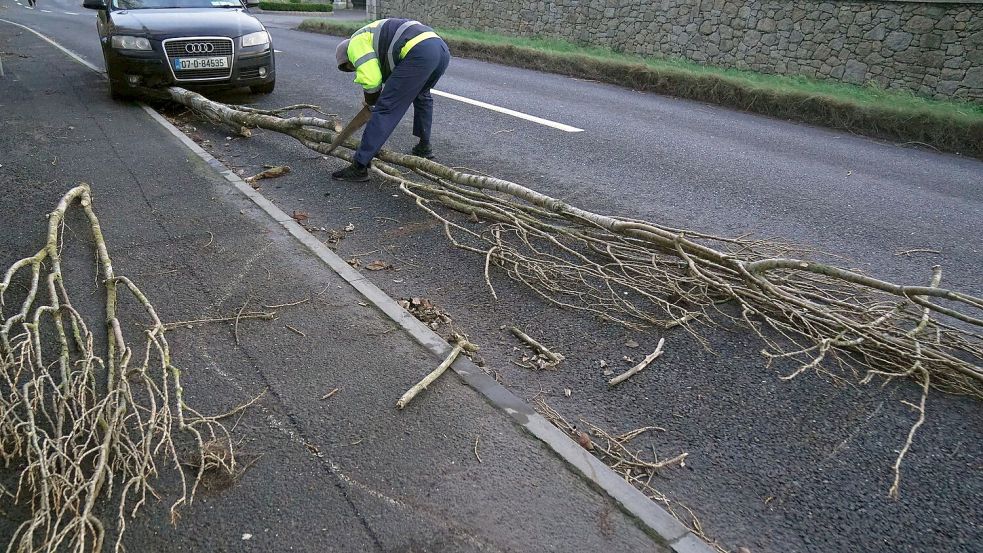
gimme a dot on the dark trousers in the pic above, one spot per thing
(409, 83)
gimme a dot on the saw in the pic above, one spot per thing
(357, 122)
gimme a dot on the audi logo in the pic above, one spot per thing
(199, 48)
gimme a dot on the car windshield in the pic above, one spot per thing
(167, 4)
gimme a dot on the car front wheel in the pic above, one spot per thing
(263, 88)
(119, 91)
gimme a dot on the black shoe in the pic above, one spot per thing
(352, 173)
(423, 150)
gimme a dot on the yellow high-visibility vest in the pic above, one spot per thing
(372, 66)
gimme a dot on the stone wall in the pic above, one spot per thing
(933, 49)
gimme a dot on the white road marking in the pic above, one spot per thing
(45, 11)
(70, 54)
(513, 113)
(70, 13)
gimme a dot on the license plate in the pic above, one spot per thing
(190, 64)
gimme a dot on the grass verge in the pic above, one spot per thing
(294, 7)
(896, 116)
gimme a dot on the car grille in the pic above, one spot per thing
(177, 48)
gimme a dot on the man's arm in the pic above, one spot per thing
(368, 74)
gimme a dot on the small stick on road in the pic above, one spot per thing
(476, 450)
(330, 393)
(637, 368)
(268, 316)
(305, 300)
(238, 316)
(554, 358)
(461, 344)
(918, 250)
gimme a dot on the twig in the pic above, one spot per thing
(554, 358)
(461, 345)
(476, 449)
(895, 490)
(305, 300)
(238, 315)
(918, 250)
(330, 393)
(295, 330)
(268, 316)
(637, 368)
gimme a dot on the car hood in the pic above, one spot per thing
(161, 24)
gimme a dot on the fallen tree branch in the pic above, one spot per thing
(87, 419)
(813, 316)
(637, 368)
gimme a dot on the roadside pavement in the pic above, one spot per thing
(349, 473)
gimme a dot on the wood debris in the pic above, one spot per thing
(544, 358)
(269, 173)
(461, 344)
(637, 368)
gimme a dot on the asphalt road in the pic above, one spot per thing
(774, 466)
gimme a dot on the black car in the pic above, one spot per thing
(207, 43)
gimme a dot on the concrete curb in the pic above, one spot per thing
(657, 522)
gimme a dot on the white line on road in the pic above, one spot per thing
(70, 54)
(513, 113)
(70, 13)
(45, 11)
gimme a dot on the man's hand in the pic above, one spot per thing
(371, 99)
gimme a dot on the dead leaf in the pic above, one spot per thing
(355, 262)
(378, 266)
(567, 392)
(608, 372)
(631, 344)
(300, 215)
(270, 173)
(350, 227)
(584, 441)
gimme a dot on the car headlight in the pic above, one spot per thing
(123, 42)
(255, 39)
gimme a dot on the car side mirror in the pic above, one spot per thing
(94, 4)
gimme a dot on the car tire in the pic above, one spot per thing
(263, 88)
(119, 92)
